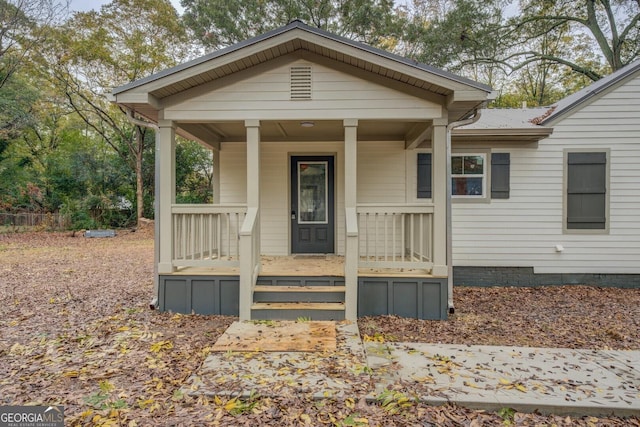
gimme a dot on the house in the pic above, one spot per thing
(331, 163)
(570, 212)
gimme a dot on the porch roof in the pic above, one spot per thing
(458, 94)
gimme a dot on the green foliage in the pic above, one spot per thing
(507, 415)
(77, 216)
(194, 173)
(220, 23)
(17, 97)
(394, 402)
(238, 406)
(102, 399)
(96, 51)
(22, 29)
(609, 27)
(458, 37)
(353, 420)
(64, 147)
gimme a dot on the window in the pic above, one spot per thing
(586, 183)
(468, 175)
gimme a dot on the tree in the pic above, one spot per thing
(22, 29)
(458, 35)
(220, 23)
(17, 98)
(540, 49)
(194, 173)
(95, 51)
(613, 26)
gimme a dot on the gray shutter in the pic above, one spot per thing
(586, 190)
(424, 175)
(500, 171)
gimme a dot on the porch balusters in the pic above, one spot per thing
(206, 235)
(395, 236)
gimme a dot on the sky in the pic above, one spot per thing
(85, 5)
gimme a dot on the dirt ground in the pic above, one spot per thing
(76, 330)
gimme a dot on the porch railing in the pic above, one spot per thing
(351, 264)
(395, 236)
(250, 260)
(250, 244)
(207, 235)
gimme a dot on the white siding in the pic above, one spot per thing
(335, 95)
(381, 172)
(233, 173)
(524, 230)
(381, 179)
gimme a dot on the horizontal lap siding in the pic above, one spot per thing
(335, 95)
(524, 230)
(381, 172)
(233, 173)
(381, 179)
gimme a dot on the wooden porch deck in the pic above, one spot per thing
(304, 266)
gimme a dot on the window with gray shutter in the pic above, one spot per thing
(500, 172)
(500, 182)
(586, 190)
(424, 175)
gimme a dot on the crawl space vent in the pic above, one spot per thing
(301, 82)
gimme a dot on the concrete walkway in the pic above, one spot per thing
(558, 381)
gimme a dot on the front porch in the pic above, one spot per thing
(392, 263)
(320, 145)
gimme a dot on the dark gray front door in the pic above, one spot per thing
(312, 209)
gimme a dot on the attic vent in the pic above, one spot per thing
(301, 82)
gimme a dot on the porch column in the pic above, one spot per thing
(250, 232)
(439, 147)
(350, 202)
(253, 163)
(216, 175)
(165, 176)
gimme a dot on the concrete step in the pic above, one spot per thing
(309, 294)
(296, 310)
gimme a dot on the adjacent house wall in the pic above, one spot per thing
(523, 231)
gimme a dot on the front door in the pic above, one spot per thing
(312, 205)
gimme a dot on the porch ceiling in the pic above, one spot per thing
(294, 131)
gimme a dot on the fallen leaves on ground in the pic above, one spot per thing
(76, 330)
(569, 316)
